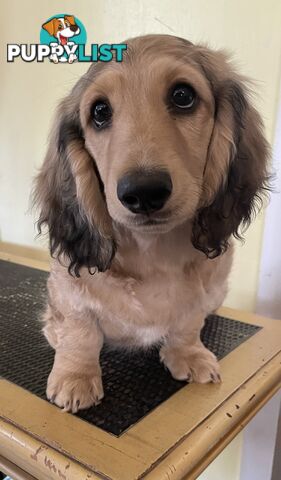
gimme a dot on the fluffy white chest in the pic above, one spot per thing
(141, 314)
(149, 335)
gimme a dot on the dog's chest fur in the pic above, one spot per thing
(153, 287)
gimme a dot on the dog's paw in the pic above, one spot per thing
(54, 58)
(72, 58)
(74, 392)
(194, 364)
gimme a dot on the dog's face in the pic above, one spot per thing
(147, 123)
(167, 136)
(62, 28)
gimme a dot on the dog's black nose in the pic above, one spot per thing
(144, 192)
(73, 28)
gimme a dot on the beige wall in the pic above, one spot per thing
(29, 92)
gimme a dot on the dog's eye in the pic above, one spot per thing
(183, 96)
(101, 113)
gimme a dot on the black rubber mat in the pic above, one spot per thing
(134, 383)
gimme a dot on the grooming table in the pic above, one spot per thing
(148, 425)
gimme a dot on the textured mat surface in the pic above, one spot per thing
(134, 383)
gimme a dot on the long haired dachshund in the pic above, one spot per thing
(153, 165)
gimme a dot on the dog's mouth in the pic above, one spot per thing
(150, 223)
(63, 40)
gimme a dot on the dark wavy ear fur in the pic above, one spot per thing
(245, 180)
(70, 232)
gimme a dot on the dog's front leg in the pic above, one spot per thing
(186, 357)
(54, 58)
(71, 49)
(75, 380)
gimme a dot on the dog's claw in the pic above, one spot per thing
(215, 378)
(66, 408)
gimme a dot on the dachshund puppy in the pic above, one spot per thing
(152, 166)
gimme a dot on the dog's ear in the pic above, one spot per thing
(68, 192)
(235, 177)
(50, 26)
(70, 18)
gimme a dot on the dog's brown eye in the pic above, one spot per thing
(183, 96)
(101, 113)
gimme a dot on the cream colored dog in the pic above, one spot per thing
(153, 164)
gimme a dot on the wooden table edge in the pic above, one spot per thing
(188, 459)
(10, 469)
(185, 460)
(21, 450)
(175, 460)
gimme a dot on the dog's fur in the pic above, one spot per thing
(153, 281)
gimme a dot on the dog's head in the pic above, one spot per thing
(168, 136)
(62, 28)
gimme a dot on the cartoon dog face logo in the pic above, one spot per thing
(63, 29)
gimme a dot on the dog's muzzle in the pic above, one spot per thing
(144, 192)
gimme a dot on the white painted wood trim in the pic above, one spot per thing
(261, 436)
(269, 288)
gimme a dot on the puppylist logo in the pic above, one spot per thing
(63, 39)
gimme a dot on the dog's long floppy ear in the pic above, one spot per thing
(235, 176)
(50, 26)
(69, 194)
(70, 18)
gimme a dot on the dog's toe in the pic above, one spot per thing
(194, 364)
(72, 392)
